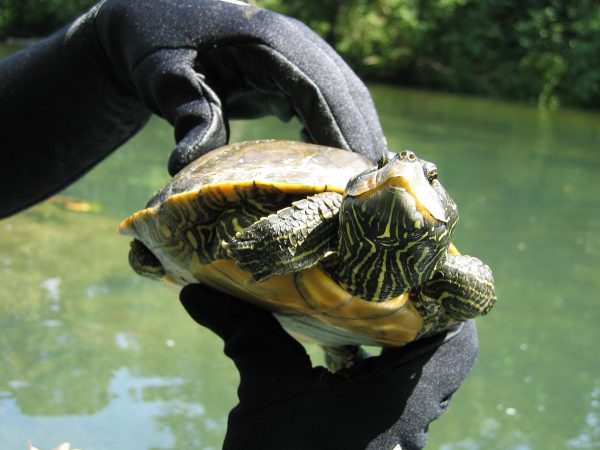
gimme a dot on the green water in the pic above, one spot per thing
(95, 355)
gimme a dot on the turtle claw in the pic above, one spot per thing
(244, 253)
(225, 245)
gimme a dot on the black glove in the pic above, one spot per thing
(286, 404)
(70, 100)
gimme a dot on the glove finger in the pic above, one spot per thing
(460, 346)
(364, 109)
(279, 54)
(321, 97)
(247, 89)
(331, 101)
(171, 88)
(255, 104)
(254, 339)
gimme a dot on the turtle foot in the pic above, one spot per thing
(339, 359)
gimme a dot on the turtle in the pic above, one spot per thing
(343, 252)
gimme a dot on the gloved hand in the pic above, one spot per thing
(286, 404)
(70, 100)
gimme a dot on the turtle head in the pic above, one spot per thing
(396, 221)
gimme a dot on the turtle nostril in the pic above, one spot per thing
(407, 154)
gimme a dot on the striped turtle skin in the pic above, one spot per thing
(343, 252)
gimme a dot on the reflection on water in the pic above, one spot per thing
(98, 356)
(134, 403)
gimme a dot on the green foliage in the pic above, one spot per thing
(539, 51)
(26, 18)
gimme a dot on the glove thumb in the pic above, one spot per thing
(260, 348)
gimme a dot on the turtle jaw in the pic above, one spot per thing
(403, 172)
(416, 200)
(408, 210)
(398, 218)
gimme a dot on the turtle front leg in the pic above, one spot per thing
(462, 289)
(295, 238)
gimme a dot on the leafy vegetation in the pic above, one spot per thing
(27, 18)
(538, 51)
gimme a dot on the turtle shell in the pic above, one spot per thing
(230, 188)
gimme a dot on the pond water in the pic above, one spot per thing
(93, 354)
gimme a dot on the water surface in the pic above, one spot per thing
(98, 356)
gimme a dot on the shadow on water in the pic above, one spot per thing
(93, 354)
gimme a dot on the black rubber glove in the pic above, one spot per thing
(73, 98)
(286, 404)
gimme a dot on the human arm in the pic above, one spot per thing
(69, 101)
